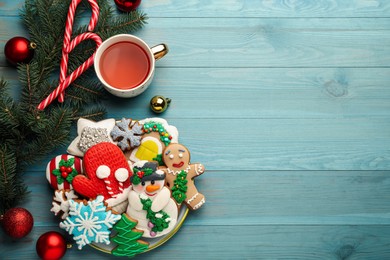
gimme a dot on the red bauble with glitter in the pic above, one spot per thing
(127, 5)
(17, 222)
(19, 50)
(51, 246)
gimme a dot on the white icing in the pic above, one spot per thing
(118, 199)
(160, 172)
(199, 169)
(103, 171)
(122, 174)
(81, 124)
(193, 197)
(161, 201)
(61, 202)
(177, 172)
(199, 204)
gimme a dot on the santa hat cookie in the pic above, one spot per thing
(62, 169)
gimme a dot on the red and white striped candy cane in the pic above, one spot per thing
(68, 46)
(68, 34)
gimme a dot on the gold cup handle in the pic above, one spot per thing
(159, 51)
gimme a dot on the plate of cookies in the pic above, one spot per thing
(124, 186)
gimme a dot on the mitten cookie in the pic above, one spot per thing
(107, 174)
(180, 174)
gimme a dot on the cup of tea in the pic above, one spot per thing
(125, 64)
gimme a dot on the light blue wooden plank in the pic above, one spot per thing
(249, 8)
(214, 42)
(244, 242)
(278, 8)
(265, 93)
(257, 93)
(286, 144)
(251, 198)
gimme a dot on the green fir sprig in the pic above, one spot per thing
(27, 134)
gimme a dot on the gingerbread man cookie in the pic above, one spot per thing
(180, 174)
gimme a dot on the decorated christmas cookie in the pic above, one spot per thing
(89, 221)
(61, 202)
(180, 176)
(150, 201)
(62, 169)
(127, 134)
(158, 134)
(90, 133)
(128, 238)
(131, 191)
(107, 174)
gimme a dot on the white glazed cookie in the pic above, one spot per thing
(90, 133)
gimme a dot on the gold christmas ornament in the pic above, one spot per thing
(159, 104)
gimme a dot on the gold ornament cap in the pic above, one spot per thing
(159, 104)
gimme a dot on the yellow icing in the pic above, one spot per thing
(147, 150)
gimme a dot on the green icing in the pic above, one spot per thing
(160, 223)
(71, 175)
(179, 188)
(152, 126)
(159, 159)
(127, 238)
(139, 174)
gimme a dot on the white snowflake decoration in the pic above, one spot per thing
(89, 223)
(61, 202)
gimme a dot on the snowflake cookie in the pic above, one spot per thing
(89, 221)
(127, 134)
(61, 201)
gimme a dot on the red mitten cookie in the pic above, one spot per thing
(107, 173)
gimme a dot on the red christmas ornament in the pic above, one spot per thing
(17, 222)
(51, 246)
(19, 50)
(127, 5)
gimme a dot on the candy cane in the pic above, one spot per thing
(68, 46)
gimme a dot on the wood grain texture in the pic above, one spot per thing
(287, 105)
(235, 42)
(249, 8)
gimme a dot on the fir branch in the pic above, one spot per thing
(12, 189)
(28, 134)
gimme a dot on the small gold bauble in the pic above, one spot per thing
(159, 104)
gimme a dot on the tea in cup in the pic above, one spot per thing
(125, 64)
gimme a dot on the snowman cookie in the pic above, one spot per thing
(180, 174)
(150, 201)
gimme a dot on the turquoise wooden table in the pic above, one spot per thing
(286, 103)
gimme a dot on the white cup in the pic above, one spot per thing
(152, 53)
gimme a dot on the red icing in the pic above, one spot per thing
(178, 165)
